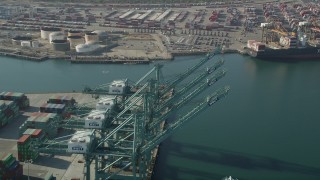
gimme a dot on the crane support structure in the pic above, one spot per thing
(123, 146)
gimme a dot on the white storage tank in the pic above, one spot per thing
(45, 32)
(75, 40)
(87, 48)
(80, 142)
(105, 103)
(91, 37)
(95, 119)
(26, 43)
(118, 87)
(56, 36)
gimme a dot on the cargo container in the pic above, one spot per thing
(9, 167)
(8, 111)
(67, 100)
(19, 98)
(48, 122)
(52, 108)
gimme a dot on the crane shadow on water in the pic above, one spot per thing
(227, 158)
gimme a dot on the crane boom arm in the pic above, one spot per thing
(210, 100)
(190, 71)
(190, 85)
(116, 129)
(135, 94)
(186, 99)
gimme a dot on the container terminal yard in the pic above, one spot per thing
(138, 33)
(111, 131)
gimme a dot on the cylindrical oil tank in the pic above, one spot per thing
(91, 37)
(17, 40)
(61, 45)
(74, 33)
(102, 35)
(45, 31)
(56, 36)
(87, 48)
(26, 43)
(75, 40)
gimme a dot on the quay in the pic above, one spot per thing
(25, 57)
(106, 61)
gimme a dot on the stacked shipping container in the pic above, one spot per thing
(19, 98)
(68, 101)
(10, 167)
(45, 121)
(8, 111)
(25, 150)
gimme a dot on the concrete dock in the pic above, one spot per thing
(62, 167)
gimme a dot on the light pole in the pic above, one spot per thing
(28, 162)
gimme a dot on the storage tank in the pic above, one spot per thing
(61, 45)
(26, 43)
(56, 36)
(75, 40)
(45, 31)
(18, 39)
(102, 35)
(87, 48)
(91, 37)
(74, 33)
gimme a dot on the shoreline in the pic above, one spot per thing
(104, 60)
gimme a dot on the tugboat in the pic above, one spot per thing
(229, 178)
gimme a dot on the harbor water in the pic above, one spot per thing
(266, 128)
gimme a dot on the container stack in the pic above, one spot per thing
(66, 100)
(8, 111)
(53, 108)
(25, 150)
(10, 167)
(37, 135)
(47, 122)
(19, 98)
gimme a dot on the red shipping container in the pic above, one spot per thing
(23, 139)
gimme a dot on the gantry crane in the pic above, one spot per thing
(125, 147)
